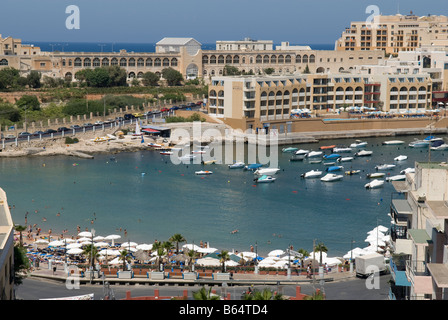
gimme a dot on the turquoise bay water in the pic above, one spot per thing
(171, 199)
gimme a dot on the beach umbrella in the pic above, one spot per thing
(115, 261)
(85, 234)
(74, 245)
(141, 255)
(98, 238)
(208, 262)
(109, 252)
(179, 258)
(144, 246)
(112, 237)
(68, 240)
(56, 243)
(207, 250)
(275, 253)
(248, 254)
(101, 244)
(191, 247)
(41, 241)
(129, 244)
(75, 251)
(84, 239)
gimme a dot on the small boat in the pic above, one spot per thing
(376, 175)
(264, 179)
(437, 143)
(330, 177)
(187, 157)
(312, 174)
(314, 161)
(345, 159)
(363, 153)
(209, 162)
(253, 166)
(154, 145)
(111, 136)
(407, 170)
(358, 144)
(399, 177)
(301, 151)
(352, 172)
(203, 172)
(432, 139)
(342, 150)
(100, 139)
(329, 163)
(393, 142)
(331, 156)
(266, 171)
(400, 158)
(166, 153)
(419, 144)
(290, 149)
(297, 157)
(313, 154)
(327, 147)
(334, 168)
(441, 147)
(237, 165)
(385, 167)
(374, 184)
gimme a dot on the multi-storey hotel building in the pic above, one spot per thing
(6, 250)
(395, 33)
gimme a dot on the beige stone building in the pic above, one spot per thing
(6, 250)
(395, 33)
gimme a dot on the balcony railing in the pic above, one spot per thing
(415, 268)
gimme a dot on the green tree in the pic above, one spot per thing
(34, 79)
(21, 264)
(307, 70)
(117, 76)
(269, 70)
(223, 257)
(203, 294)
(8, 77)
(172, 77)
(320, 248)
(91, 253)
(230, 71)
(192, 255)
(98, 78)
(28, 102)
(124, 257)
(150, 79)
(177, 238)
(20, 229)
(9, 113)
(304, 254)
(266, 294)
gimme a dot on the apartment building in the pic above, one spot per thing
(6, 250)
(419, 213)
(247, 44)
(395, 33)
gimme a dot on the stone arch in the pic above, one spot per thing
(87, 62)
(105, 62)
(4, 62)
(174, 62)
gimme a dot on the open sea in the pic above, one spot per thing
(169, 198)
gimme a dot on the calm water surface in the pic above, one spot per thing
(171, 199)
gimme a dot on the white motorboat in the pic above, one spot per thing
(313, 154)
(407, 170)
(385, 167)
(314, 161)
(400, 158)
(187, 157)
(290, 149)
(154, 145)
(166, 153)
(398, 177)
(342, 150)
(363, 153)
(345, 159)
(266, 171)
(358, 144)
(374, 184)
(312, 174)
(419, 144)
(330, 177)
(441, 147)
(376, 175)
(265, 179)
(203, 172)
(237, 165)
(329, 163)
(301, 151)
(393, 142)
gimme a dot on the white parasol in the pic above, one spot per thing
(74, 245)
(56, 243)
(85, 234)
(75, 251)
(275, 253)
(144, 246)
(191, 247)
(112, 237)
(129, 244)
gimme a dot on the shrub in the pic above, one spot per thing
(69, 140)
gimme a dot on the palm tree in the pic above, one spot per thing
(304, 254)
(191, 254)
(124, 256)
(203, 294)
(266, 294)
(177, 238)
(223, 257)
(320, 248)
(91, 252)
(20, 229)
(158, 247)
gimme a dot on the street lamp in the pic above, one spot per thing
(91, 256)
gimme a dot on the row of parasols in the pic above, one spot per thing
(378, 241)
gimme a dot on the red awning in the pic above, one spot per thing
(150, 130)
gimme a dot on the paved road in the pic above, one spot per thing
(352, 289)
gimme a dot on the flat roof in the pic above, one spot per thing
(402, 206)
(400, 186)
(439, 273)
(420, 236)
(433, 165)
(439, 208)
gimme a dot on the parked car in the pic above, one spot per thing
(75, 126)
(10, 136)
(119, 119)
(191, 104)
(99, 122)
(164, 110)
(38, 133)
(24, 134)
(183, 106)
(128, 116)
(88, 124)
(199, 103)
(174, 108)
(49, 131)
(60, 129)
(137, 115)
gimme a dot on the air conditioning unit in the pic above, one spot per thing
(421, 199)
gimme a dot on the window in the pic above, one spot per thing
(3, 62)
(132, 62)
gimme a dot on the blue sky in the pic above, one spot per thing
(148, 21)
